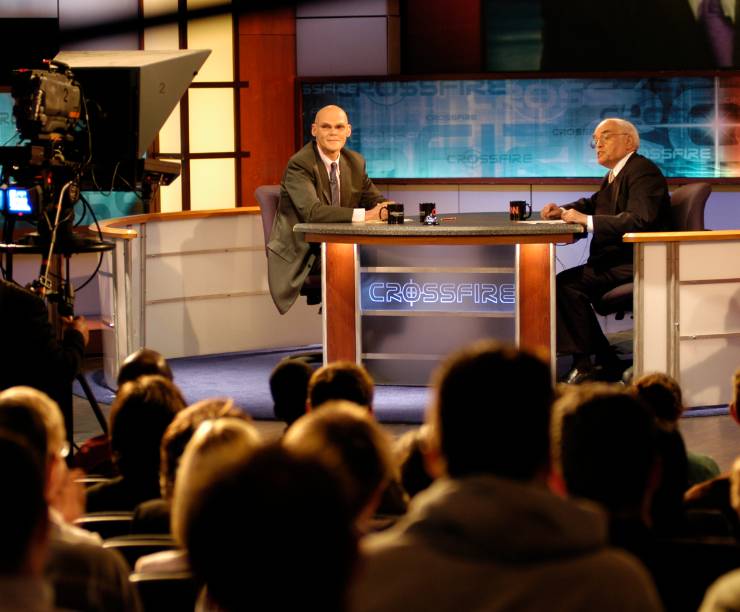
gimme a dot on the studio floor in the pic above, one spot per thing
(716, 435)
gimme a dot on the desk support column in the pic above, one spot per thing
(535, 299)
(340, 307)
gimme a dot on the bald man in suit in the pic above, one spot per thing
(633, 198)
(323, 183)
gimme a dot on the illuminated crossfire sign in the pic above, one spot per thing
(439, 292)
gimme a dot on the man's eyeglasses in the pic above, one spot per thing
(606, 136)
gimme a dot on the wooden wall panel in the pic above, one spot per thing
(267, 107)
(279, 22)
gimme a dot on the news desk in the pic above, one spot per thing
(687, 310)
(398, 298)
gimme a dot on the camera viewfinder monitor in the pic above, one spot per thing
(19, 202)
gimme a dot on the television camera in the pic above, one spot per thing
(85, 121)
(40, 180)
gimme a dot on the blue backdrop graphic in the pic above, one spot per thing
(531, 127)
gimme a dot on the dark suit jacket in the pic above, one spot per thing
(639, 203)
(31, 354)
(305, 197)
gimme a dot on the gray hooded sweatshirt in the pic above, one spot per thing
(485, 543)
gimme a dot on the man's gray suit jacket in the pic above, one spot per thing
(305, 197)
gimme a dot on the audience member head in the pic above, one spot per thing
(409, 451)
(491, 413)
(348, 440)
(23, 513)
(604, 447)
(289, 389)
(735, 486)
(31, 408)
(274, 512)
(18, 419)
(181, 430)
(735, 396)
(142, 362)
(141, 412)
(217, 445)
(662, 395)
(341, 380)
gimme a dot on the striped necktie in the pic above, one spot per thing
(334, 182)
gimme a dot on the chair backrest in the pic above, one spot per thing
(268, 197)
(107, 524)
(687, 206)
(166, 591)
(134, 546)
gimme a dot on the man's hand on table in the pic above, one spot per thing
(373, 214)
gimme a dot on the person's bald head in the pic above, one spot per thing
(330, 110)
(331, 129)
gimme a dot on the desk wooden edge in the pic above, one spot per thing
(439, 240)
(702, 236)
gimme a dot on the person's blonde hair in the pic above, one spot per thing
(47, 410)
(181, 430)
(346, 438)
(216, 446)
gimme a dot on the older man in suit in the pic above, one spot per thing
(633, 198)
(323, 183)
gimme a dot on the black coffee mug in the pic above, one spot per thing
(428, 213)
(519, 210)
(394, 213)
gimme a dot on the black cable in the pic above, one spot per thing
(92, 276)
(138, 194)
(87, 204)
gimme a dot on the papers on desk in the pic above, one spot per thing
(545, 221)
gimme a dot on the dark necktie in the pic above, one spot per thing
(334, 182)
(719, 30)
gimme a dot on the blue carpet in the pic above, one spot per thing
(244, 377)
(702, 411)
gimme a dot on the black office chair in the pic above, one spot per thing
(268, 197)
(687, 214)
